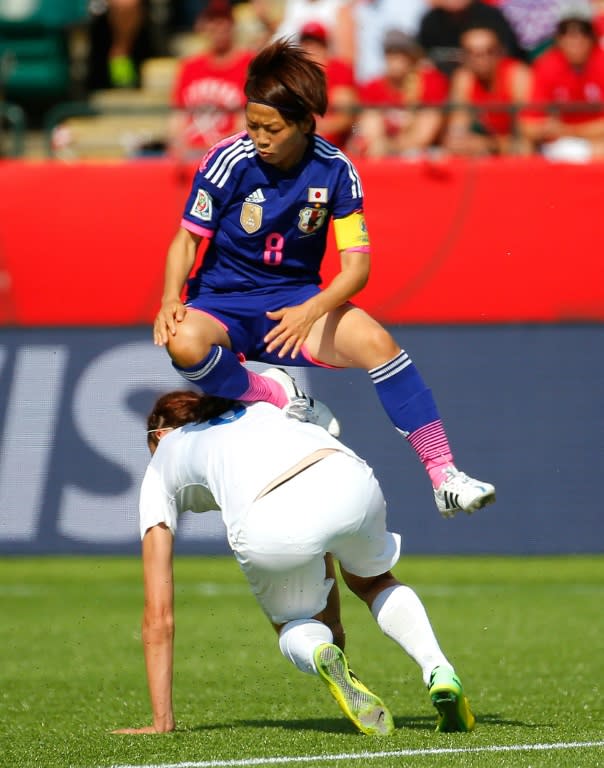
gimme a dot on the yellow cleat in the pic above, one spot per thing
(363, 708)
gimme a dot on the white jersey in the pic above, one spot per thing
(225, 463)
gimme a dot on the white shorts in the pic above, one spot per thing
(335, 505)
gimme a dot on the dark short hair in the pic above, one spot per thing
(396, 41)
(576, 23)
(284, 76)
(474, 26)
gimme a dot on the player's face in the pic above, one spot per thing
(278, 142)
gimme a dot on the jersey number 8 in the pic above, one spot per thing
(273, 245)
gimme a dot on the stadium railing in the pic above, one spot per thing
(126, 124)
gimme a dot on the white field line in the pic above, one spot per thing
(259, 761)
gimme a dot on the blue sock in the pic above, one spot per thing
(219, 373)
(404, 395)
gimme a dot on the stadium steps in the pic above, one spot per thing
(126, 122)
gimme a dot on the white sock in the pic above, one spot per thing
(402, 617)
(298, 640)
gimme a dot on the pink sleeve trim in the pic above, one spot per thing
(197, 230)
(212, 151)
(359, 249)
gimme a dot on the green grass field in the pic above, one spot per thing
(526, 635)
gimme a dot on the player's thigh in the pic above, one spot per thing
(285, 571)
(195, 335)
(300, 591)
(347, 337)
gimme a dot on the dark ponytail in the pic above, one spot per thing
(175, 409)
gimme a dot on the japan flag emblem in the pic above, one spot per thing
(317, 194)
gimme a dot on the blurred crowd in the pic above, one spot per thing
(405, 77)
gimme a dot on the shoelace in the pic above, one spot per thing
(459, 476)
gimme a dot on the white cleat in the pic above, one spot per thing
(460, 492)
(301, 406)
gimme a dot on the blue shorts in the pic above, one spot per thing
(243, 316)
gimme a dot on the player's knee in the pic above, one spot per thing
(187, 347)
(366, 589)
(380, 345)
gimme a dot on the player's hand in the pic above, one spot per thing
(171, 313)
(292, 329)
(168, 728)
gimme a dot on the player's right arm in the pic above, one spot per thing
(158, 623)
(179, 263)
(158, 628)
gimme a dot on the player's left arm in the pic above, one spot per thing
(158, 628)
(294, 323)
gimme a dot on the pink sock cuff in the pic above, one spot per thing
(265, 389)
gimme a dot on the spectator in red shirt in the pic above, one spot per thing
(487, 82)
(571, 77)
(337, 123)
(208, 92)
(392, 122)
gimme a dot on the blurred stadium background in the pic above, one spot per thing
(488, 271)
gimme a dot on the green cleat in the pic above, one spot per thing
(362, 707)
(446, 692)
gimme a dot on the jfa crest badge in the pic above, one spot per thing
(311, 219)
(251, 217)
(202, 207)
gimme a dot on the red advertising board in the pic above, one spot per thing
(453, 241)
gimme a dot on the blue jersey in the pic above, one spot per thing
(268, 227)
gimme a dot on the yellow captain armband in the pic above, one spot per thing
(351, 232)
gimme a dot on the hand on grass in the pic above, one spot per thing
(147, 729)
